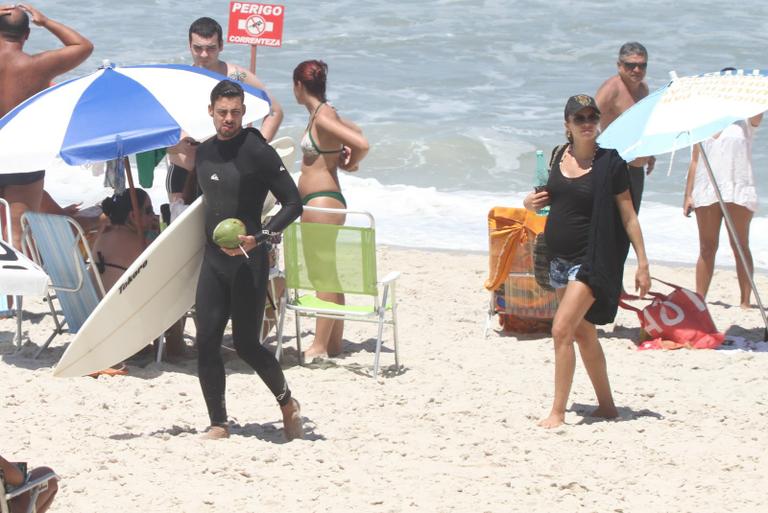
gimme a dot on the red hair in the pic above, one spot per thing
(312, 74)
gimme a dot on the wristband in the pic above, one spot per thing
(268, 236)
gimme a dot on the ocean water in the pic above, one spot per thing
(454, 96)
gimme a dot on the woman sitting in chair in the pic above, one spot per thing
(329, 143)
(120, 242)
(13, 477)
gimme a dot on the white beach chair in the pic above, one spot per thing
(17, 268)
(7, 236)
(33, 486)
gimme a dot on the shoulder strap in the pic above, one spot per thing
(557, 152)
(676, 287)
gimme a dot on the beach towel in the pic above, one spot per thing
(147, 161)
(508, 228)
(676, 320)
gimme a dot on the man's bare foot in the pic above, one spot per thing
(606, 412)
(216, 433)
(554, 420)
(292, 426)
(745, 306)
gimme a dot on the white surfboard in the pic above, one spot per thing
(155, 291)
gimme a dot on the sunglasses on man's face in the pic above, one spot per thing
(580, 119)
(633, 65)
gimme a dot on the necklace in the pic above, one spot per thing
(579, 162)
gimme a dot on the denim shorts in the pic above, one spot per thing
(561, 272)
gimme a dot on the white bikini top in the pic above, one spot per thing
(308, 146)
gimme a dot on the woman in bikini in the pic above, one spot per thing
(120, 242)
(329, 143)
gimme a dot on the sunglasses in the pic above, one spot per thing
(148, 211)
(580, 119)
(632, 65)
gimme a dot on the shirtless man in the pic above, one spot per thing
(619, 93)
(23, 75)
(206, 41)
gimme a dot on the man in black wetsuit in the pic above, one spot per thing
(235, 170)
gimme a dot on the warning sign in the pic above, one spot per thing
(255, 24)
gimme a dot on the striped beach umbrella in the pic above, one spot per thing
(112, 113)
(686, 112)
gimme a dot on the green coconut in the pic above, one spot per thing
(226, 233)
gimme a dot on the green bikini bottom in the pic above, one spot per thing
(324, 194)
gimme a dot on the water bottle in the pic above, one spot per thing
(540, 178)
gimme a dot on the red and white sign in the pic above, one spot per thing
(255, 24)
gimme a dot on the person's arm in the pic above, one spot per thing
(189, 194)
(271, 122)
(755, 120)
(632, 227)
(284, 188)
(351, 136)
(50, 206)
(689, 181)
(185, 145)
(76, 47)
(13, 475)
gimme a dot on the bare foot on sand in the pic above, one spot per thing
(605, 412)
(313, 352)
(554, 420)
(335, 348)
(216, 433)
(292, 427)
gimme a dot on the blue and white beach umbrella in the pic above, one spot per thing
(114, 112)
(686, 111)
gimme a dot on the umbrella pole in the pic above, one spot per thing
(134, 198)
(732, 232)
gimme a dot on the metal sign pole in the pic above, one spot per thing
(253, 59)
(732, 232)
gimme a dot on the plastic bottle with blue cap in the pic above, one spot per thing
(540, 179)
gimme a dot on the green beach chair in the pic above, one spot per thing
(57, 243)
(342, 259)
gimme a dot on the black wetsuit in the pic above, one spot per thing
(234, 176)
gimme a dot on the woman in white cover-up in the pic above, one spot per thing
(730, 156)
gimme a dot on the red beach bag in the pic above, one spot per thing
(678, 319)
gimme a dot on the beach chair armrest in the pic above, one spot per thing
(389, 278)
(31, 484)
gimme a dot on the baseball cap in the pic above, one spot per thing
(578, 102)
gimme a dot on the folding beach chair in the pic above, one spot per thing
(19, 276)
(54, 245)
(342, 259)
(523, 306)
(33, 486)
(7, 236)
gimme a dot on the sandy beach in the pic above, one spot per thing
(454, 432)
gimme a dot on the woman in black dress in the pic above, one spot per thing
(589, 228)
